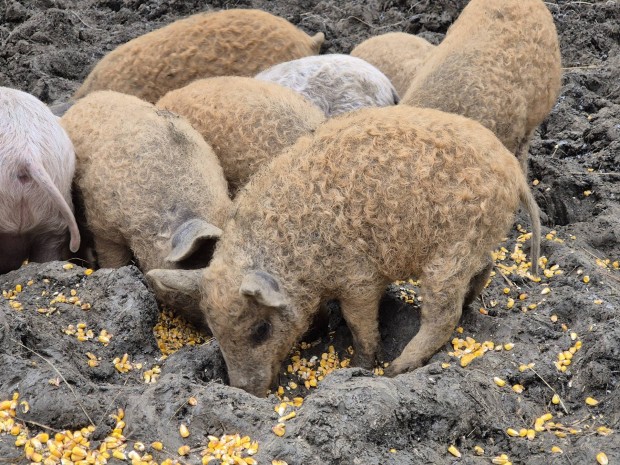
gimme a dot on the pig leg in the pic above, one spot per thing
(476, 285)
(361, 312)
(48, 247)
(442, 307)
(522, 151)
(111, 254)
(13, 251)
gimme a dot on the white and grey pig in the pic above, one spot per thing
(376, 195)
(247, 122)
(499, 64)
(152, 188)
(233, 42)
(335, 83)
(397, 54)
(37, 163)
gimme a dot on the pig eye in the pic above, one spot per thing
(261, 332)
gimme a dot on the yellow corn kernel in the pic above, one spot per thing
(500, 382)
(278, 462)
(192, 401)
(500, 460)
(88, 272)
(591, 401)
(279, 429)
(287, 417)
(518, 388)
(560, 434)
(555, 400)
(545, 291)
(556, 450)
(603, 431)
(510, 303)
(183, 431)
(512, 432)
(183, 450)
(157, 445)
(506, 290)
(67, 266)
(602, 459)
(547, 417)
(586, 279)
(478, 450)
(454, 451)
(509, 346)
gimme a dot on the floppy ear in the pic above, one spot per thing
(264, 288)
(180, 291)
(189, 237)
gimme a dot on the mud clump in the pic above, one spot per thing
(353, 415)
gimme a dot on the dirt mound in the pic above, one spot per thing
(557, 337)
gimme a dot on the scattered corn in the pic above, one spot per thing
(518, 388)
(157, 445)
(591, 401)
(556, 450)
(509, 346)
(454, 451)
(478, 450)
(512, 432)
(183, 431)
(604, 431)
(173, 333)
(183, 450)
(279, 429)
(602, 459)
(555, 400)
(586, 279)
(500, 382)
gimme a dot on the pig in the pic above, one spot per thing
(499, 64)
(37, 163)
(152, 188)
(335, 83)
(375, 195)
(246, 121)
(398, 55)
(225, 43)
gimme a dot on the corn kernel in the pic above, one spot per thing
(183, 450)
(478, 450)
(454, 451)
(183, 431)
(591, 401)
(279, 429)
(518, 388)
(555, 400)
(509, 346)
(556, 450)
(554, 318)
(500, 382)
(603, 431)
(602, 459)
(67, 266)
(586, 279)
(157, 445)
(512, 432)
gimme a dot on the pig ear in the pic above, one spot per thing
(179, 290)
(264, 288)
(189, 237)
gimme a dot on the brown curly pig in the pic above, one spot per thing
(376, 195)
(499, 64)
(246, 121)
(397, 54)
(225, 43)
(152, 188)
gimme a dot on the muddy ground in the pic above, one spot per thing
(354, 416)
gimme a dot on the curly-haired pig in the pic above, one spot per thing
(499, 64)
(397, 54)
(232, 42)
(246, 121)
(374, 196)
(335, 83)
(36, 168)
(152, 188)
